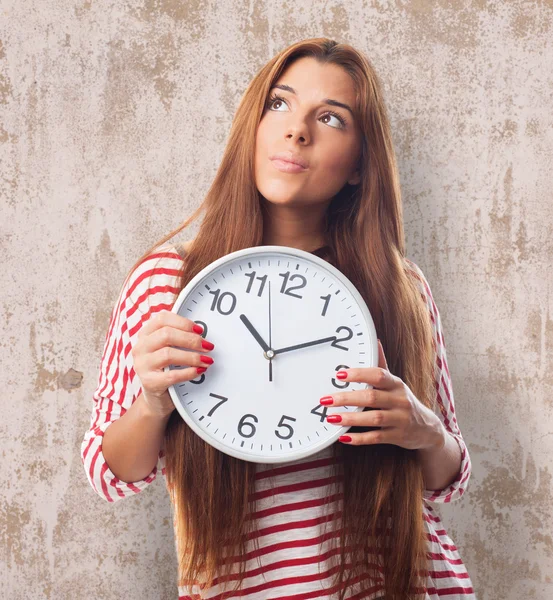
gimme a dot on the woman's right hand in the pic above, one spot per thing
(153, 351)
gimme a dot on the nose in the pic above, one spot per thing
(300, 138)
(298, 131)
(298, 127)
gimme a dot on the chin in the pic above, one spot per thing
(280, 193)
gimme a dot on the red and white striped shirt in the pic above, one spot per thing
(291, 508)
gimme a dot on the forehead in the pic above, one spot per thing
(313, 80)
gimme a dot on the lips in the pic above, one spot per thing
(287, 167)
(290, 157)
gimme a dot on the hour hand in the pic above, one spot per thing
(306, 344)
(254, 332)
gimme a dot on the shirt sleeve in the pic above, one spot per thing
(150, 288)
(444, 399)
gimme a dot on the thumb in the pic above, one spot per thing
(381, 357)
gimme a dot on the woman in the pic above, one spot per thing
(355, 520)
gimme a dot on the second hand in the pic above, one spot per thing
(270, 341)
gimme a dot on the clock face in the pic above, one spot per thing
(283, 322)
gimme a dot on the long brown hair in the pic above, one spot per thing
(381, 485)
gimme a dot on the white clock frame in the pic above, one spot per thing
(191, 295)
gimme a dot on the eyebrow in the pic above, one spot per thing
(287, 88)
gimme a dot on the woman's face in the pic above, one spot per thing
(301, 123)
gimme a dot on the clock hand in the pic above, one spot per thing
(270, 342)
(305, 345)
(253, 331)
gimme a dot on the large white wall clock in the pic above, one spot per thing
(283, 322)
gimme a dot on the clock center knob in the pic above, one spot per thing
(269, 354)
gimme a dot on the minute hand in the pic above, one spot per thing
(306, 344)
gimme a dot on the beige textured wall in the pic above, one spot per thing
(113, 116)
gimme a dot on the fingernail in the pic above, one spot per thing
(207, 345)
(206, 359)
(341, 375)
(201, 369)
(344, 438)
(326, 400)
(334, 418)
(197, 329)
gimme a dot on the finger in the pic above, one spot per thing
(367, 418)
(167, 356)
(380, 436)
(171, 336)
(170, 329)
(370, 397)
(167, 318)
(376, 376)
(156, 384)
(162, 380)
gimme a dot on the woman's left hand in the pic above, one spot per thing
(403, 419)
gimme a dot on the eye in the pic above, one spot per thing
(328, 113)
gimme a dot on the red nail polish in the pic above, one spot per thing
(334, 418)
(344, 438)
(326, 400)
(197, 329)
(207, 345)
(201, 369)
(341, 375)
(206, 359)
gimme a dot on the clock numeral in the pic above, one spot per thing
(287, 277)
(289, 427)
(200, 379)
(344, 339)
(320, 411)
(345, 383)
(218, 300)
(204, 332)
(243, 423)
(218, 404)
(250, 282)
(327, 302)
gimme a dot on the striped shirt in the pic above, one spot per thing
(292, 558)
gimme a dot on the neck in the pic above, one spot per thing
(285, 226)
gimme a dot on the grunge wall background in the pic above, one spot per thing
(113, 118)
